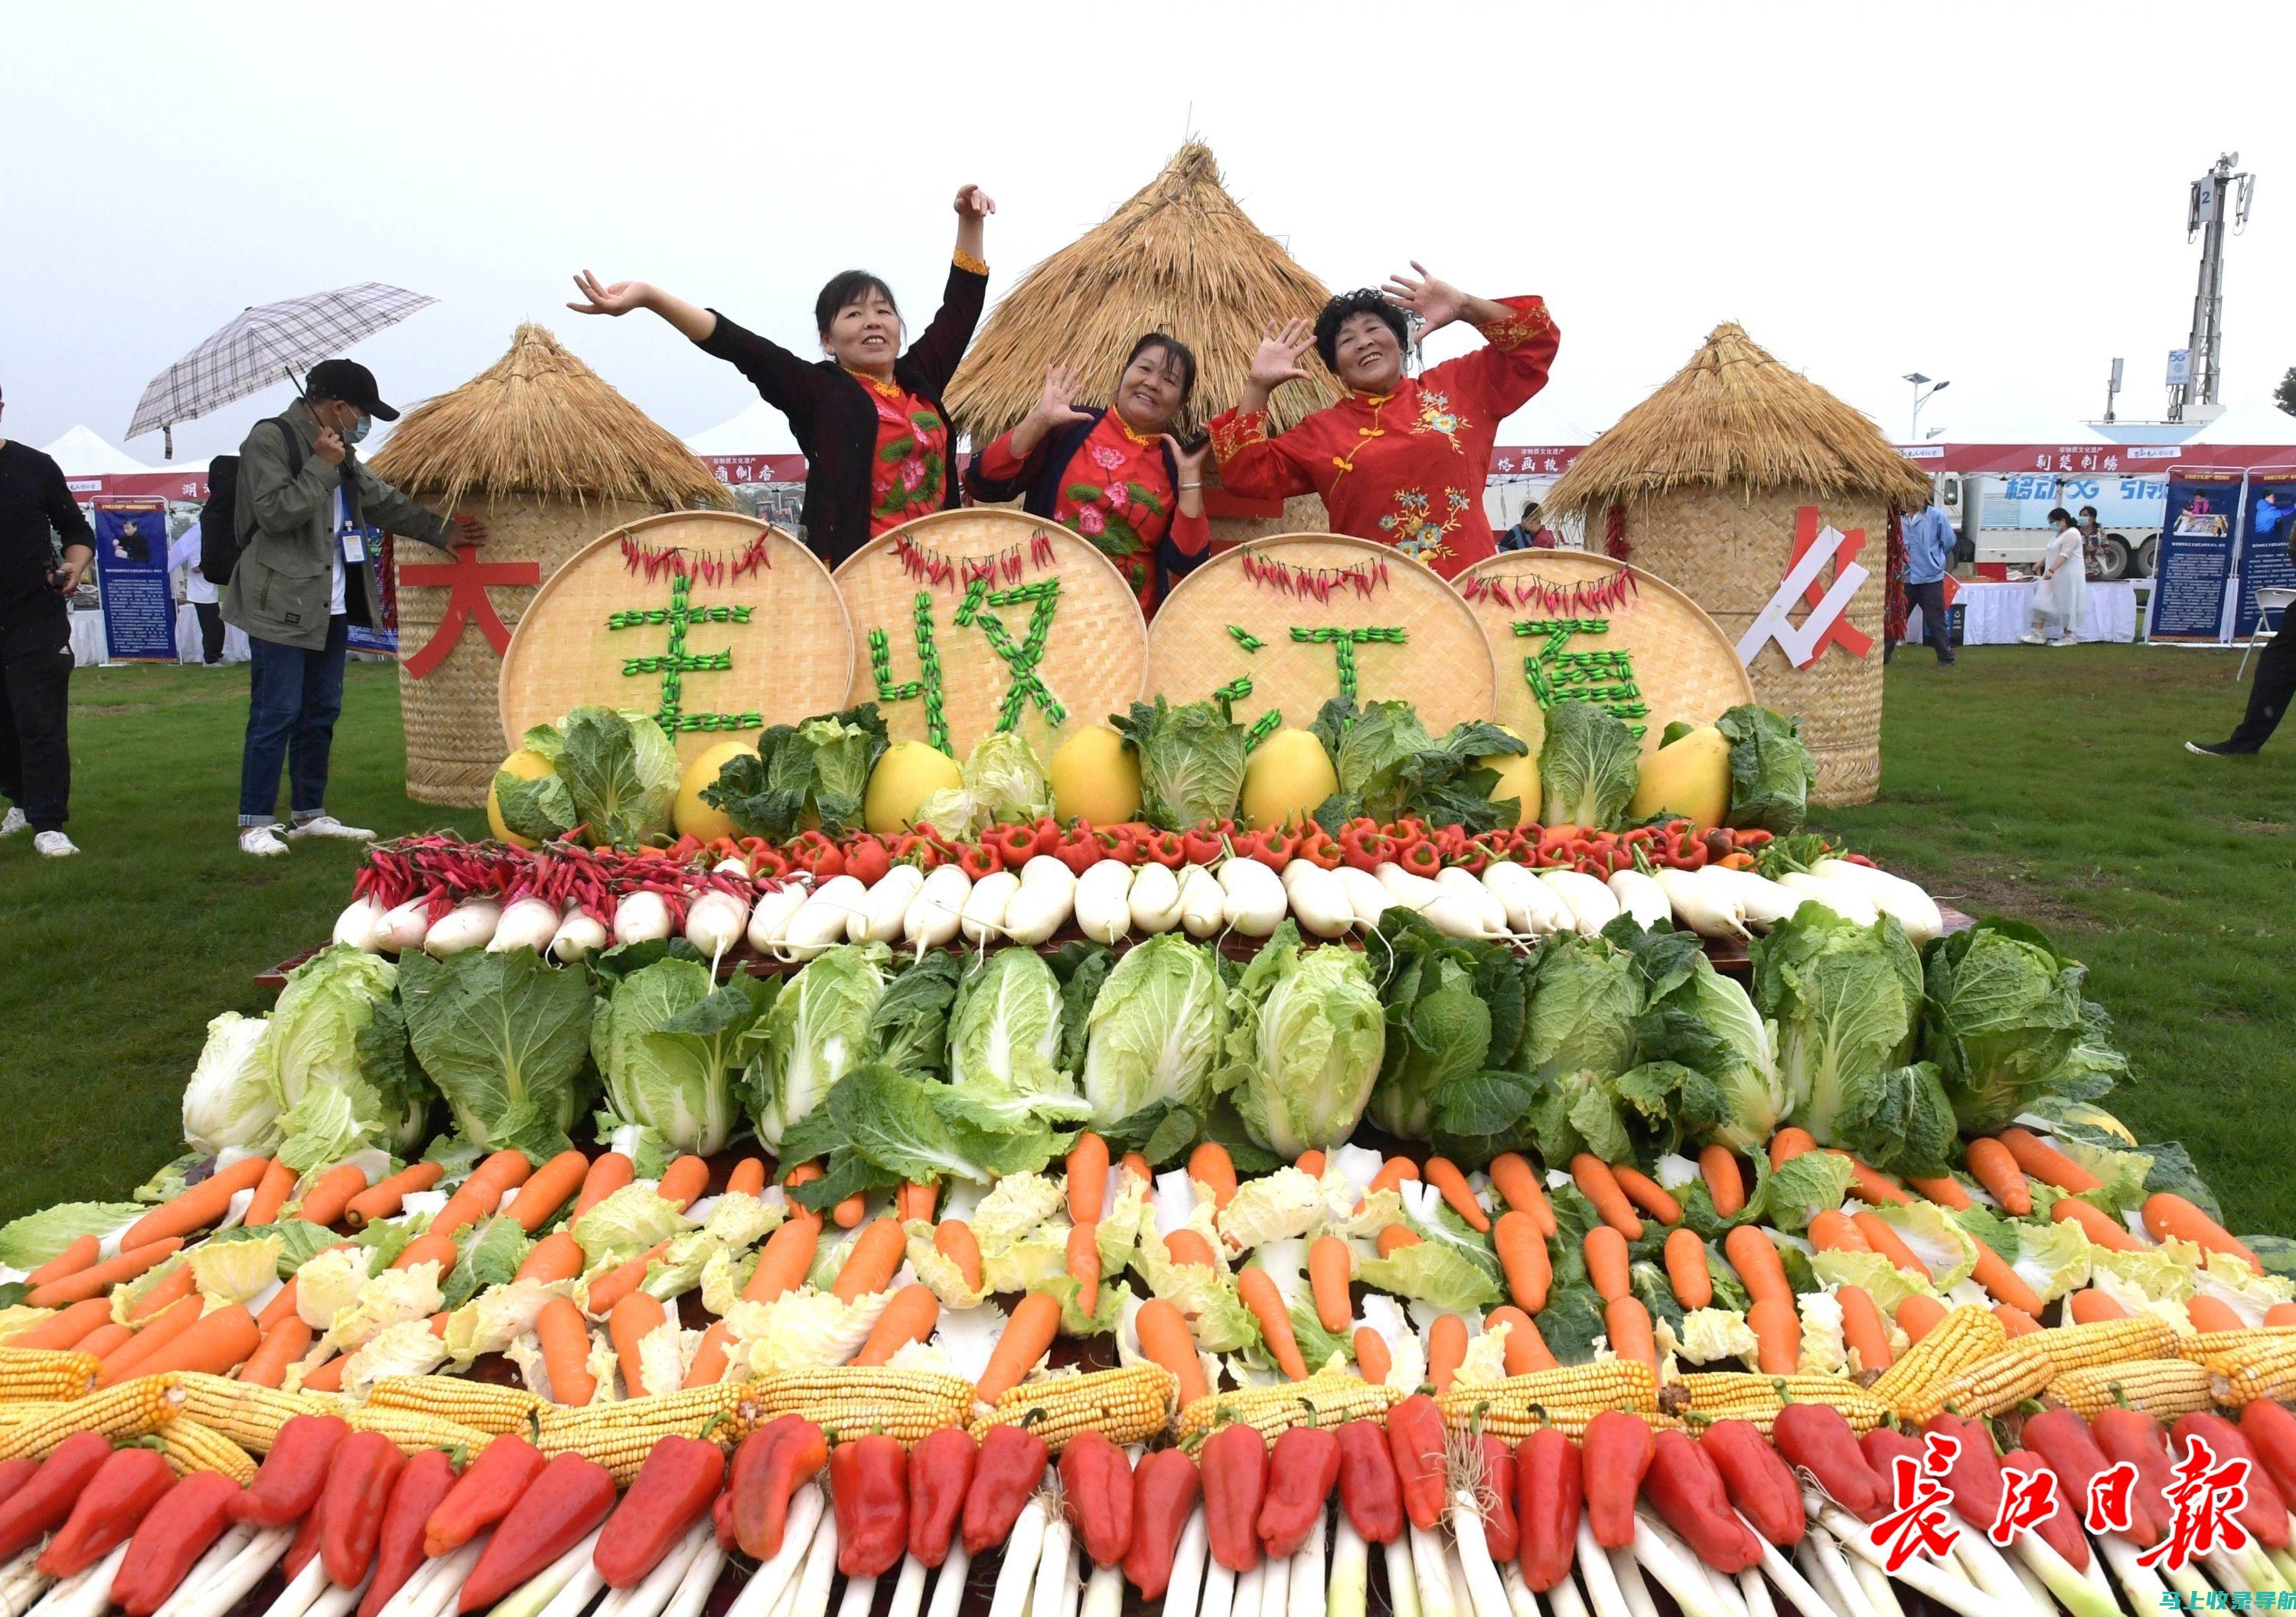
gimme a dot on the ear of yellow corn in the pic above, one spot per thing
(1130, 1405)
(2105, 1342)
(2249, 1371)
(1515, 1407)
(2164, 1387)
(1329, 1397)
(1999, 1382)
(188, 1447)
(44, 1374)
(619, 1435)
(1740, 1395)
(853, 1401)
(1911, 1387)
(136, 1407)
(414, 1432)
(2202, 1346)
(249, 1416)
(480, 1405)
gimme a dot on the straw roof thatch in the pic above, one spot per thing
(1179, 256)
(541, 423)
(1735, 417)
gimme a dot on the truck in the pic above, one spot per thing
(2004, 516)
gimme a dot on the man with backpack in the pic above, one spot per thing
(305, 515)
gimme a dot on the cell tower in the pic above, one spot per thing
(2218, 196)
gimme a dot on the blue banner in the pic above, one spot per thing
(2197, 535)
(131, 570)
(2267, 535)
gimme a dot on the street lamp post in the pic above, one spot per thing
(1920, 399)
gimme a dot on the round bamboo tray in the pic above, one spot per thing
(1092, 643)
(787, 655)
(1295, 595)
(1680, 664)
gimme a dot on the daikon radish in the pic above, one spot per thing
(470, 924)
(770, 917)
(1154, 899)
(1640, 897)
(641, 917)
(1254, 900)
(1710, 909)
(1592, 906)
(355, 926)
(1317, 899)
(731, 867)
(820, 921)
(1103, 901)
(579, 936)
(984, 906)
(402, 929)
(1203, 902)
(1366, 895)
(1915, 909)
(1044, 903)
(1412, 891)
(878, 918)
(716, 921)
(1762, 901)
(526, 924)
(1840, 896)
(1533, 908)
(932, 916)
(1469, 890)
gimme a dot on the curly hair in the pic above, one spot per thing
(1362, 301)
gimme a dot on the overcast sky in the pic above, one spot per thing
(1993, 195)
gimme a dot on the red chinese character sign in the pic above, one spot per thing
(466, 580)
(716, 624)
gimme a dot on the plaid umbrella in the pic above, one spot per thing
(259, 345)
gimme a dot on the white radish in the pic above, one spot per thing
(355, 927)
(1485, 1592)
(1710, 909)
(1254, 900)
(1154, 899)
(948, 1583)
(885, 905)
(770, 917)
(1533, 908)
(403, 928)
(1840, 896)
(1023, 1548)
(1317, 899)
(1413, 893)
(579, 935)
(470, 924)
(984, 906)
(820, 921)
(932, 916)
(1640, 897)
(1469, 890)
(1367, 897)
(1044, 903)
(716, 921)
(1915, 909)
(641, 917)
(1762, 901)
(1187, 1577)
(527, 924)
(1103, 900)
(1592, 906)
(1203, 902)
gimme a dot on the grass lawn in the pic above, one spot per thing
(2023, 783)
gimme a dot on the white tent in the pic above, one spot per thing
(2251, 421)
(83, 452)
(759, 430)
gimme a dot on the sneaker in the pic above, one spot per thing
(2067, 641)
(56, 844)
(261, 840)
(328, 827)
(2216, 749)
(2030, 640)
(15, 823)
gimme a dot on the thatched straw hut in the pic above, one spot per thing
(550, 456)
(1702, 484)
(1179, 256)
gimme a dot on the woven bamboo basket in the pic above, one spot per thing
(1302, 513)
(1729, 549)
(788, 659)
(1093, 640)
(1680, 664)
(1201, 642)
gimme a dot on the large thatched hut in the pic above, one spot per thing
(550, 456)
(1181, 257)
(1705, 482)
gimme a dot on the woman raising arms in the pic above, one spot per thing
(868, 416)
(1117, 476)
(1400, 461)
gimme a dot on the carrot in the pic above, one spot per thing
(1257, 1289)
(2015, 1320)
(1628, 1324)
(1523, 1257)
(870, 1261)
(73, 1259)
(2002, 1283)
(1526, 1350)
(204, 1203)
(1787, 1144)
(2088, 1305)
(910, 1317)
(1726, 1183)
(326, 1201)
(1832, 1232)
(804, 1173)
(2173, 1218)
(2280, 1315)
(271, 1193)
(1027, 1337)
(285, 1344)
(1757, 1261)
(1372, 1360)
(1517, 1183)
(1083, 1264)
(1870, 1185)
(565, 1339)
(1864, 1329)
(1600, 1186)
(1392, 1175)
(98, 1278)
(607, 1175)
(554, 1257)
(916, 1200)
(1331, 1266)
(1605, 1251)
(1165, 1339)
(1459, 1195)
(954, 1240)
(179, 1284)
(1687, 1271)
(384, 1199)
(1946, 1192)
(429, 1247)
(1885, 1240)
(1209, 1167)
(214, 1345)
(684, 1181)
(1311, 1164)
(2210, 1315)
(125, 1360)
(1186, 1246)
(1991, 1165)
(1135, 1166)
(2102, 1228)
(280, 1307)
(1088, 1169)
(549, 1188)
(104, 1340)
(747, 1180)
(67, 1328)
(2044, 1161)
(1394, 1238)
(1777, 1335)
(480, 1194)
(784, 1261)
(709, 1365)
(328, 1376)
(847, 1213)
(1648, 1194)
(627, 1327)
(607, 1290)
(1447, 1350)
(1919, 1315)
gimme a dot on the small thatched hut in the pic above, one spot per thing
(1702, 484)
(1179, 256)
(550, 456)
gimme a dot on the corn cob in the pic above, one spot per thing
(1515, 1407)
(2202, 1346)
(2165, 1387)
(619, 1435)
(1911, 1386)
(2105, 1342)
(414, 1432)
(481, 1405)
(249, 1416)
(188, 1447)
(133, 1408)
(43, 1374)
(1742, 1395)
(910, 1405)
(1127, 1406)
(2253, 1371)
(15, 1415)
(1329, 1397)
(1999, 1382)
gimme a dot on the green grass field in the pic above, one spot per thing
(2022, 782)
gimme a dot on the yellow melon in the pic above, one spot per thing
(909, 772)
(1288, 775)
(1690, 778)
(1094, 779)
(528, 766)
(689, 816)
(1518, 775)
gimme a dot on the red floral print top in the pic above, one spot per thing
(911, 467)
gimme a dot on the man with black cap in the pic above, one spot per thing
(305, 508)
(35, 654)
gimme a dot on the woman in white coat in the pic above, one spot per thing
(2062, 596)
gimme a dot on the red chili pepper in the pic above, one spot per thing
(2265, 1513)
(1203, 843)
(1497, 1496)
(1049, 834)
(1422, 859)
(366, 1470)
(1016, 845)
(1756, 837)
(1300, 1473)
(1449, 841)
(1096, 1481)
(1474, 858)
(1817, 1438)
(1370, 1491)
(1614, 1456)
(484, 1495)
(423, 1485)
(2061, 1531)
(1363, 846)
(940, 1471)
(786, 1452)
(1235, 1462)
(869, 1489)
(1163, 1498)
(1549, 1491)
(1320, 851)
(556, 1513)
(1415, 1436)
(1165, 849)
(1761, 1484)
(673, 1489)
(293, 1472)
(867, 859)
(982, 860)
(2271, 1431)
(108, 1511)
(178, 1531)
(43, 1502)
(1974, 1476)
(1012, 1462)
(2136, 1437)
(13, 1474)
(1687, 1492)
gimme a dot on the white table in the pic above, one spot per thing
(1996, 614)
(89, 646)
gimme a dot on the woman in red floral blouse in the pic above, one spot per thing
(1117, 476)
(1398, 460)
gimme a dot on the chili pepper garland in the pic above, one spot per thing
(652, 560)
(1315, 583)
(923, 565)
(1579, 598)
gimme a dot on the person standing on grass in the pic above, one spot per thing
(1929, 540)
(2275, 665)
(204, 597)
(35, 654)
(2061, 596)
(306, 573)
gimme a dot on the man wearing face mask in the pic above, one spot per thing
(306, 509)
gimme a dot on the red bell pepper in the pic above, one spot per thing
(1761, 1484)
(1502, 1533)
(1817, 1438)
(2271, 1431)
(1203, 844)
(1163, 1498)
(2061, 1437)
(786, 1452)
(1974, 1474)
(981, 860)
(1012, 1462)
(1016, 845)
(1614, 1455)
(673, 1489)
(1049, 834)
(1300, 1473)
(43, 1502)
(366, 1470)
(1549, 1490)
(483, 1496)
(108, 1511)
(1415, 1436)
(1273, 847)
(1364, 846)
(1450, 840)
(1081, 851)
(168, 1542)
(423, 1485)
(556, 1513)
(305, 1546)
(1165, 849)
(869, 1489)
(1474, 858)
(1121, 843)
(2136, 1437)
(940, 1471)
(1097, 1483)
(1234, 1463)
(1370, 1491)
(2062, 1530)
(1688, 1494)
(1319, 850)
(14, 1473)
(2265, 1513)
(1422, 859)
(1409, 833)
(293, 1472)
(867, 859)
